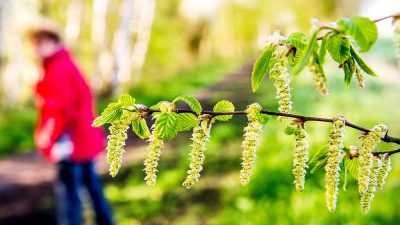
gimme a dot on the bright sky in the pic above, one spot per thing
(379, 8)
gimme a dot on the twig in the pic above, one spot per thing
(387, 17)
(387, 138)
(389, 153)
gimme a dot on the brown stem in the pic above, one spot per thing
(387, 138)
(387, 17)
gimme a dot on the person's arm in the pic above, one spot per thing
(53, 121)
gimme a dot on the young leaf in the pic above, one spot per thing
(224, 106)
(348, 68)
(264, 118)
(361, 62)
(126, 100)
(289, 130)
(318, 161)
(261, 67)
(338, 47)
(310, 47)
(140, 128)
(187, 121)
(296, 39)
(345, 169)
(362, 30)
(322, 50)
(165, 126)
(193, 103)
(111, 113)
(352, 166)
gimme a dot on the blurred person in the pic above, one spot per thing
(64, 134)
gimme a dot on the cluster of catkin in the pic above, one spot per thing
(372, 170)
(318, 77)
(300, 156)
(116, 142)
(251, 142)
(334, 158)
(280, 75)
(200, 136)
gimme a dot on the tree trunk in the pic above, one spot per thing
(122, 46)
(103, 68)
(145, 13)
(73, 25)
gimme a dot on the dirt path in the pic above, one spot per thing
(26, 181)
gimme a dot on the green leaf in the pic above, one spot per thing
(344, 187)
(322, 50)
(318, 161)
(263, 118)
(187, 121)
(126, 100)
(193, 103)
(261, 67)
(139, 126)
(352, 166)
(224, 106)
(165, 126)
(361, 63)
(338, 47)
(310, 47)
(110, 114)
(289, 130)
(297, 39)
(348, 69)
(362, 30)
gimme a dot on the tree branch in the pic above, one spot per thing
(388, 17)
(387, 138)
(389, 153)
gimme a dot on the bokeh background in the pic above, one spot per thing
(157, 50)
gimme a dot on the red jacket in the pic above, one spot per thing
(64, 96)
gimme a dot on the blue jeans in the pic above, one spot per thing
(72, 177)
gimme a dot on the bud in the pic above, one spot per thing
(153, 153)
(116, 142)
(332, 167)
(368, 143)
(353, 151)
(251, 142)
(200, 136)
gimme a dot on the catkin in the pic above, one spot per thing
(251, 142)
(368, 144)
(280, 76)
(116, 142)
(332, 167)
(360, 77)
(200, 136)
(319, 80)
(153, 153)
(384, 171)
(300, 158)
(368, 196)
